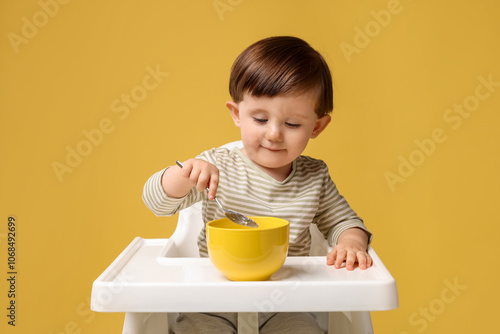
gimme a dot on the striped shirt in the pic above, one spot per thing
(307, 196)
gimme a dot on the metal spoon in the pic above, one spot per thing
(234, 216)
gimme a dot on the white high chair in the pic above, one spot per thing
(154, 279)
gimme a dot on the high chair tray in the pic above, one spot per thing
(139, 281)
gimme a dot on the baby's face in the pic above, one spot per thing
(276, 130)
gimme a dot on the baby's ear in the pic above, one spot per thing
(320, 125)
(235, 112)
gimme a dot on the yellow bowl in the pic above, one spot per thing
(248, 254)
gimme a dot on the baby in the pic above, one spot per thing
(281, 90)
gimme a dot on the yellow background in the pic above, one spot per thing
(438, 227)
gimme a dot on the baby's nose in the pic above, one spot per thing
(274, 133)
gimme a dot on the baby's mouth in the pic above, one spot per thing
(273, 149)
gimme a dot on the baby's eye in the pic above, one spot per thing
(292, 125)
(260, 120)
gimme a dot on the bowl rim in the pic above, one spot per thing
(246, 228)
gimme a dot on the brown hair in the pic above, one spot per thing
(279, 66)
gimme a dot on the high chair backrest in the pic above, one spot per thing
(190, 223)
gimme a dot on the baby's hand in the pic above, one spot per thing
(202, 175)
(350, 248)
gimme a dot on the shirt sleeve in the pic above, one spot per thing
(334, 214)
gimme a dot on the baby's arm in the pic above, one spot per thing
(351, 247)
(177, 182)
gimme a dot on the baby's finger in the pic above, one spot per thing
(214, 183)
(330, 258)
(196, 179)
(341, 255)
(369, 261)
(350, 260)
(194, 175)
(203, 181)
(362, 260)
